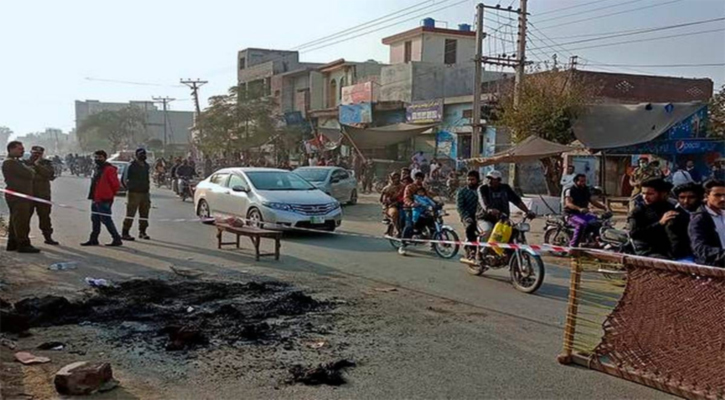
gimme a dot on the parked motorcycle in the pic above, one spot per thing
(525, 266)
(430, 227)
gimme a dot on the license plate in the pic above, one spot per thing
(317, 220)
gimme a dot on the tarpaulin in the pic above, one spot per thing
(530, 149)
(383, 136)
(606, 126)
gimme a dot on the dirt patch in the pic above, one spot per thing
(178, 315)
(323, 374)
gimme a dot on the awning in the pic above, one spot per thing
(530, 149)
(383, 136)
(332, 134)
(606, 126)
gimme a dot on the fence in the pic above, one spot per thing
(664, 326)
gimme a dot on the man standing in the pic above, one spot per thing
(495, 198)
(647, 221)
(689, 199)
(707, 228)
(368, 175)
(18, 178)
(138, 197)
(44, 173)
(696, 176)
(567, 181)
(104, 186)
(467, 206)
(681, 177)
(642, 173)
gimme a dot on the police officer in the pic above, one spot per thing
(18, 178)
(44, 173)
(136, 179)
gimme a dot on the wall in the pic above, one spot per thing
(434, 48)
(317, 90)
(264, 63)
(395, 83)
(397, 51)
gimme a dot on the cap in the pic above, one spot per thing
(39, 149)
(494, 175)
(140, 150)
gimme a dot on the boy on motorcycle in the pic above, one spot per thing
(577, 199)
(408, 204)
(495, 197)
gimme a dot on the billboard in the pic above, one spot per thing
(424, 112)
(356, 113)
(359, 93)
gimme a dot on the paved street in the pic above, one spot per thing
(490, 340)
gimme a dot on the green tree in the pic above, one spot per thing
(549, 104)
(716, 111)
(113, 130)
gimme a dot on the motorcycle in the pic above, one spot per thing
(601, 234)
(431, 227)
(186, 189)
(161, 180)
(525, 266)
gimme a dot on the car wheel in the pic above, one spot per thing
(203, 211)
(353, 197)
(255, 219)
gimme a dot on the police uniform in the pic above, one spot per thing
(18, 178)
(44, 174)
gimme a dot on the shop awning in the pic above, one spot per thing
(606, 126)
(383, 136)
(530, 149)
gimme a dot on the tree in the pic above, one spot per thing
(113, 129)
(549, 104)
(5, 134)
(716, 111)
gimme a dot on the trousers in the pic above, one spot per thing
(43, 211)
(580, 223)
(105, 219)
(19, 223)
(140, 202)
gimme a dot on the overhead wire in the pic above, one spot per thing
(649, 39)
(592, 10)
(659, 4)
(570, 7)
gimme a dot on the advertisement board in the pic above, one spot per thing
(359, 93)
(356, 113)
(424, 112)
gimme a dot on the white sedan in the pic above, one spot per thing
(278, 197)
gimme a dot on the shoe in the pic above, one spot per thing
(402, 251)
(49, 240)
(11, 247)
(90, 243)
(28, 249)
(115, 243)
(144, 236)
(128, 237)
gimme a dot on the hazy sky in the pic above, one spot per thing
(49, 48)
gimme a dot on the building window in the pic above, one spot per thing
(332, 94)
(408, 52)
(242, 63)
(449, 57)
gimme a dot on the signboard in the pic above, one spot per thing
(356, 113)
(447, 145)
(424, 112)
(694, 126)
(663, 147)
(360, 93)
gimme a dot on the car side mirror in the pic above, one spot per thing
(239, 188)
(335, 180)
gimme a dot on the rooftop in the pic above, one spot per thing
(425, 29)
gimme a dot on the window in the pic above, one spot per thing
(236, 180)
(408, 52)
(340, 175)
(242, 63)
(219, 179)
(332, 94)
(278, 180)
(449, 57)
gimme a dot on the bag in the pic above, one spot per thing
(501, 234)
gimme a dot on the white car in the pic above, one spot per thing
(259, 195)
(335, 181)
(121, 167)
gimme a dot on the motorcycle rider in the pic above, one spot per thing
(391, 198)
(467, 206)
(175, 176)
(577, 199)
(408, 203)
(689, 198)
(184, 172)
(495, 197)
(647, 221)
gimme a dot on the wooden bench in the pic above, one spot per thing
(254, 234)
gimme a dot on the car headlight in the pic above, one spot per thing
(335, 205)
(277, 206)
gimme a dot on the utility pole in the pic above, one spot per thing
(573, 62)
(194, 85)
(521, 53)
(477, 74)
(165, 101)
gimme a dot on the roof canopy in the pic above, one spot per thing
(606, 126)
(378, 137)
(530, 149)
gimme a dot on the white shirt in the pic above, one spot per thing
(567, 181)
(719, 220)
(419, 158)
(413, 172)
(681, 177)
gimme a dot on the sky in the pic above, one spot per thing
(55, 52)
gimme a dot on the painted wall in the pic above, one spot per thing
(434, 48)
(317, 90)
(397, 51)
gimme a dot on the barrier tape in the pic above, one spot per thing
(533, 247)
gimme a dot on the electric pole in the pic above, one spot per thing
(573, 62)
(521, 53)
(164, 101)
(194, 85)
(477, 74)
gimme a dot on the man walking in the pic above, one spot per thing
(44, 174)
(18, 178)
(104, 186)
(138, 198)
(707, 227)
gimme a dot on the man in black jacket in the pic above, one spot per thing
(689, 199)
(647, 221)
(138, 197)
(707, 227)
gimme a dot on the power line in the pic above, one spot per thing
(592, 10)
(662, 65)
(650, 39)
(129, 82)
(611, 14)
(574, 6)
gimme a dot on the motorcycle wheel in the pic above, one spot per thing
(557, 237)
(444, 250)
(529, 276)
(391, 232)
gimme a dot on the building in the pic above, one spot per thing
(635, 88)
(53, 140)
(170, 127)
(256, 67)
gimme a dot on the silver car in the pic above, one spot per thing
(259, 195)
(121, 167)
(335, 181)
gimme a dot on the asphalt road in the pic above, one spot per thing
(510, 353)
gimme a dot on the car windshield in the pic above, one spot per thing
(313, 174)
(278, 180)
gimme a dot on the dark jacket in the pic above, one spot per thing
(649, 236)
(44, 173)
(18, 178)
(137, 177)
(104, 184)
(705, 240)
(677, 233)
(498, 199)
(467, 203)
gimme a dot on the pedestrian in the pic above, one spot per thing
(104, 186)
(694, 173)
(707, 227)
(136, 180)
(647, 221)
(368, 176)
(689, 199)
(18, 178)
(681, 177)
(641, 174)
(567, 181)
(44, 174)
(208, 170)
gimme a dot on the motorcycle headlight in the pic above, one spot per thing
(277, 206)
(523, 227)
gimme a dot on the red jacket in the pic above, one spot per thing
(105, 186)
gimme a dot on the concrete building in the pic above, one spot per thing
(178, 123)
(256, 67)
